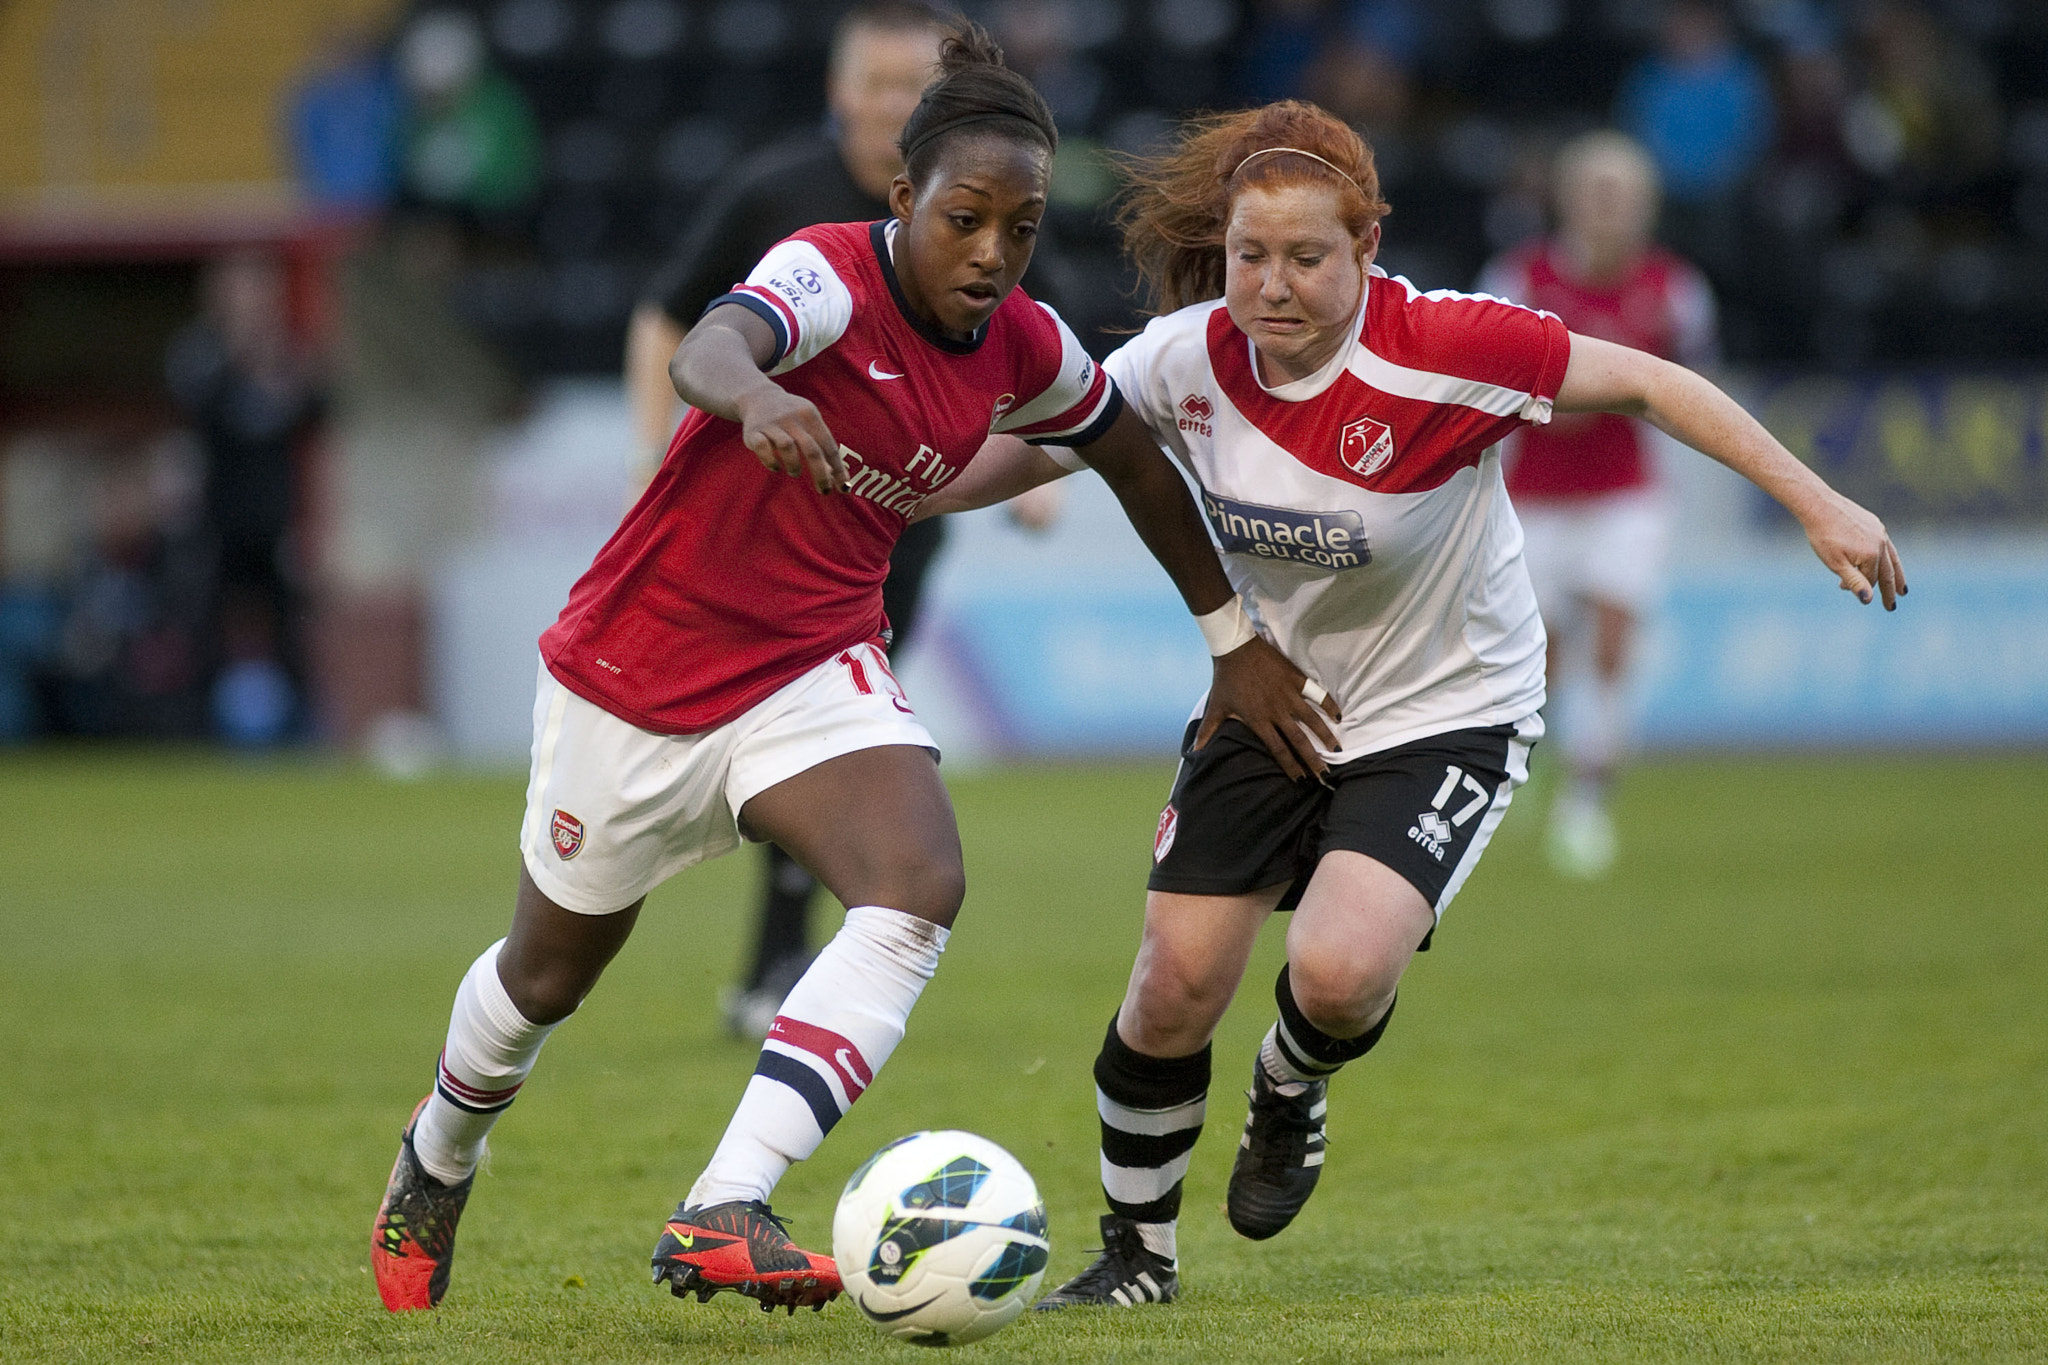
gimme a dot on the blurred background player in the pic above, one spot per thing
(1585, 486)
(883, 55)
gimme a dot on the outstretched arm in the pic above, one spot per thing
(1253, 681)
(1604, 377)
(719, 369)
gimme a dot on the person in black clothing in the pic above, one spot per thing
(251, 396)
(883, 55)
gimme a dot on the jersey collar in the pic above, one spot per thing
(1300, 390)
(882, 233)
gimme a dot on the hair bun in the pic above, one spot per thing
(974, 90)
(969, 46)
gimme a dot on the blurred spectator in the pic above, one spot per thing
(1699, 103)
(1353, 57)
(471, 141)
(130, 655)
(1044, 40)
(1928, 118)
(1812, 177)
(1364, 75)
(344, 125)
(1285, 40)
(250, 394)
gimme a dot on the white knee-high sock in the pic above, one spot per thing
(836, 1029)
(491, 1047)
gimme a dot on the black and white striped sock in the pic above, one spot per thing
(1151, 1110)
(1296, 1053)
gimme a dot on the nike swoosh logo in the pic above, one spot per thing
(899, 1313)
(877, 372)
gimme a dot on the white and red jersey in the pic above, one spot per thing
(726, 580)
(1661, 305)
(1360, 510)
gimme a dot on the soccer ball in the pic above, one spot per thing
(940, 1238)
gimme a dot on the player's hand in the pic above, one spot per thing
(788, 435)
(1856, 548)
(1259, 686)
(1036, 509)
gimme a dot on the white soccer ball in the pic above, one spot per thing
(940, 1238)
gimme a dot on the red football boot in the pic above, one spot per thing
(745, 1248)
(412, 1244)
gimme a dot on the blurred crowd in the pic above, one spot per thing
(1863, 180)
(157, 588)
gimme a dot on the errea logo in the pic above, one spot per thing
(1366, 447)
(1431, 829)
(1195, 412)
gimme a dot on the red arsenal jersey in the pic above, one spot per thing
(726, 580)
(1662, 306)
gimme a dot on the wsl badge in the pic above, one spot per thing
(1366, 447)
(568, 835)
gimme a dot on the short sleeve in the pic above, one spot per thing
(1134, 368)
(1076, 408)
(801, 298)
(1532, 349)
(1501, 360)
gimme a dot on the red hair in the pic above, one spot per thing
(1178, 203)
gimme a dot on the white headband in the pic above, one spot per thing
(1295, 151)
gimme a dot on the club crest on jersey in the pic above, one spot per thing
(1366, 447)
(1002, 405)
(568, 834)
(1162, 842)
(1195, 412)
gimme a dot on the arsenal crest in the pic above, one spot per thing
(1169, 824)
(568, 834)
(1366, 447)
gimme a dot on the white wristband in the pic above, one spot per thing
(1227, 628)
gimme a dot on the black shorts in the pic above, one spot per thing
(1236, 824)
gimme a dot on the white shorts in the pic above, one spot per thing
(612, 810)
(1602, 549)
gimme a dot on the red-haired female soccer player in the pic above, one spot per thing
(1343, 427)
(718, 673)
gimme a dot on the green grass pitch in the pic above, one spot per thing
(1776, 1090)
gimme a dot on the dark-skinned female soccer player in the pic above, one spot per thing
(718, 675)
